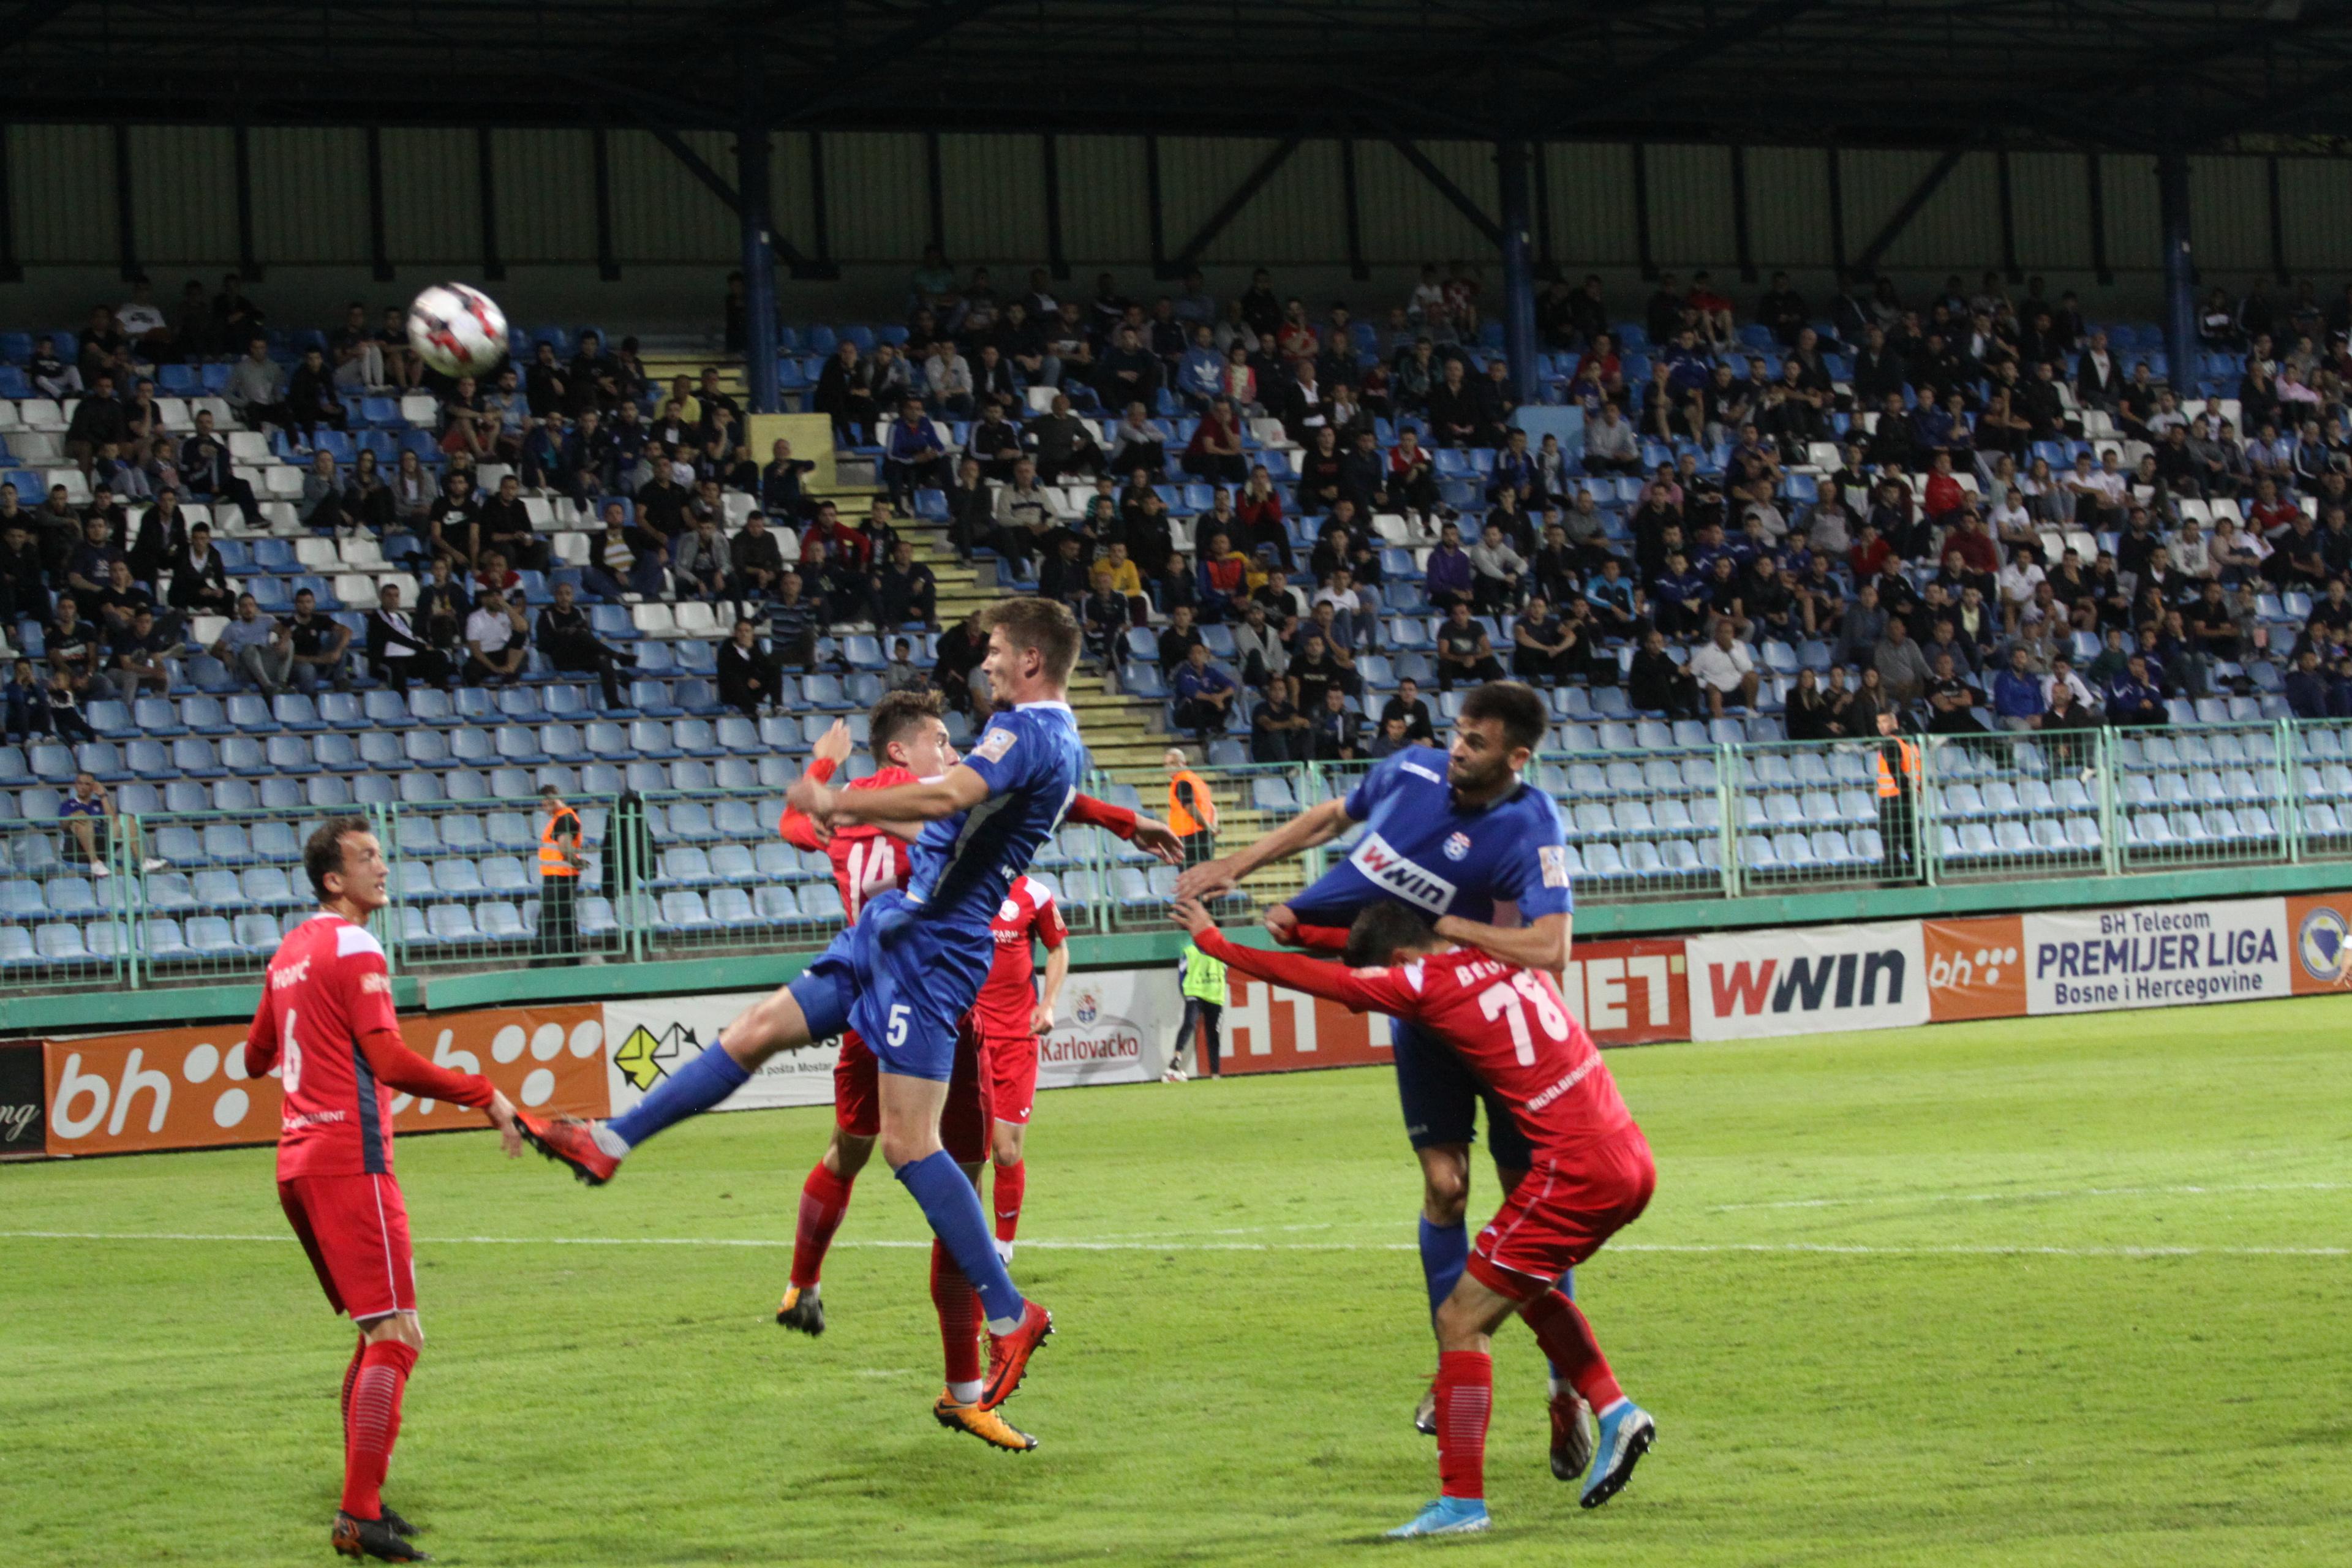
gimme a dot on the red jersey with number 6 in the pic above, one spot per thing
(1010, 993)
(865, 860)
(1508, 1025)
(326, 992)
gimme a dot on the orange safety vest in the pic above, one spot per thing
(551, 862)
(1888, 785)
(1181, 822)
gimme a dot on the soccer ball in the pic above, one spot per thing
(456, 330)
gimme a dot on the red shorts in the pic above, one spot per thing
(1012, 1075)
(355, 1229)
(1560, 1213)
(963, 1124)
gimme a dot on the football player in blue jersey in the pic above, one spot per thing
(912, 965)
(1458, 836)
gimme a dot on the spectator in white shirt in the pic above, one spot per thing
(1724, 668)
(1497, 570)
(949, 376)
(2062, 673)
(1347, 609)
(2019, 579)
(496, 639)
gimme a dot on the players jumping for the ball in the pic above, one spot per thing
(1589, 1175)
(904, 976)
(1458, 835)
(327, 1026)
(911, 741)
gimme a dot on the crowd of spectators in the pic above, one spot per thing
(1974, 509)
(119, 581)
(1946, 500)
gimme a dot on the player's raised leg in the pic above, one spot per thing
(780, 1022)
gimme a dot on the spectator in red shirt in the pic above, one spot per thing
(1973, 545)
(1944, 496)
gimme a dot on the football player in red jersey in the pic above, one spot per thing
(910, 740)
(1591, 1176)
(1008, 1017)
(327, 1026)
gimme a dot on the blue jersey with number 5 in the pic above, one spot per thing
(1421, 847)
(1032, 761)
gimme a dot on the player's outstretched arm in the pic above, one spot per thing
(1318, 824)
(1540, 944)
(958, 789)
(1135, 827)
(798, 828)
(1360, 989)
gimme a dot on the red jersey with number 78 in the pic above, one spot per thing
(1508, 1025)
(1010, 994)
(865, 860)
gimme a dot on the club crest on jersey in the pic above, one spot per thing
(1416, 884)
(1458, 847)
(1008, 911)
(994, 744)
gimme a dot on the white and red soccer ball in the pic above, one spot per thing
(456, 330)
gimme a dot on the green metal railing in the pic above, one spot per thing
(709, 876)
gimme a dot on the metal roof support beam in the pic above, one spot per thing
(1184, 259)
(608, 263)
(1913, 205)
(1352, 212)
(759, 248)
(126, 233)
(1057, 255)
(724, 189)
(494, 265)
(2096, 178)
(379, 250)
(1450, 191)
(248, 265)
(1743, 246)
(11, 269)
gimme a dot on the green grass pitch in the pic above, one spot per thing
(2059, 1292)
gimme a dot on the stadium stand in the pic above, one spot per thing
(1723, 547)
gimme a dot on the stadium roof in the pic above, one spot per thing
(2111, 74)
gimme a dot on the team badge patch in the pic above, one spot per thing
(1553, 859)
(1458, 847)
(994, 744)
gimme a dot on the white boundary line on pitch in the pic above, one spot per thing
(1892, 1199)
(1826, 1248)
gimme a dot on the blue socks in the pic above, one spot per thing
(949, 1202)
(692, 1090)
(1444, 1253)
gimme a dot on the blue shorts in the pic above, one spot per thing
(1441, 1099)
(902, 979)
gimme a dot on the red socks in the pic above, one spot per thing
(825, 1199)
(959, 1310)
(350, 1376)
(1012, 1181)
(1465, 1397)
(1567, 1339)
(372, 1425)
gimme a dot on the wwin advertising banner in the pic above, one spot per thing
(1744, 985)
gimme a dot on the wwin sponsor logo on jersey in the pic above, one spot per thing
(1414, 883)
(1800, 982)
